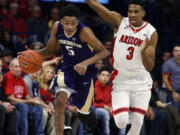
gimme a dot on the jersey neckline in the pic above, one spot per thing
(139, 28)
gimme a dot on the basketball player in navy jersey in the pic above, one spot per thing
(133, 57)
(74, 80)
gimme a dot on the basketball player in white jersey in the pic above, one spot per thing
(133, 57)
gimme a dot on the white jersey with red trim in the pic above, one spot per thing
(126, 54)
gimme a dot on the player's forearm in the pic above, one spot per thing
(95, 5)
(148, 61)
(99, 56)
(45, 52)
(47, 63)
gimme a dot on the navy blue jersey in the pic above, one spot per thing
(74, 50)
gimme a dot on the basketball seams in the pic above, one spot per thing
(33, 59)
(34, 56)
(29, 61)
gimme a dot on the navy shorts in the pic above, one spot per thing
(82, 87)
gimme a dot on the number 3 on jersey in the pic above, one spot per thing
(131, 52)
(70, 50)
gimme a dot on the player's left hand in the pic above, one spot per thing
(145, 44)
(80, 68)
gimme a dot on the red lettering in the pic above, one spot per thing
(122, 38)
(129, 39)
(125, 40)
(136, 41)
(139, 42)
(132, 39)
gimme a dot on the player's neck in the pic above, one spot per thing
(70, 35)
(138, 25)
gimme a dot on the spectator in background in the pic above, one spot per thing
(54, 16)
(109, 45)
(3, 8)
(34, 91)
(161, 117)
(6, 55)
(71, 120)
(44, 79)
(102, 100)
(16, 91)
(99, 64)
(5, 41)
(108, 61)
(18, 25)
(36, 26)
(7, 112)
(36, 46)
(26, 7)
(166, 56)
(157, 71)
(171, 69)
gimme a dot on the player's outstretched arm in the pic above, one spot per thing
(88, 36)
(148, 48)
(112, 17)
(52, 43)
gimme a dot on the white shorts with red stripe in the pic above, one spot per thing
(130, 101)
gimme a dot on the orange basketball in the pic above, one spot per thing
(30, 61)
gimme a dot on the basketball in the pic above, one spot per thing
(30, 61)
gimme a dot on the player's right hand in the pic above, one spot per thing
(80, 68)
(57, 60)
(145, 44)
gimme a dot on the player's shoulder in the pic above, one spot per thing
(125, 20)
(150, 27)
(57, 23)
(82, 26)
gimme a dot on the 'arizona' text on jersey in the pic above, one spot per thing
(127, 57)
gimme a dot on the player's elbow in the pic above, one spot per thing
(150, 67)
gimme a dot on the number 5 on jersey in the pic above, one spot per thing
(131, 52)
(70, 50)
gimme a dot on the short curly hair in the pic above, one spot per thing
(137, 2)
(70, 10)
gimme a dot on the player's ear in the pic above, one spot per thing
(144, 13)
(77, 21)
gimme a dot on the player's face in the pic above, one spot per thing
(69, 24)
(176, 52)
(15, 69)
(49, 74)
(136, 14)
(104, 77)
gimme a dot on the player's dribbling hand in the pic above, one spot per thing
(26, 47)
(80, 68)
(145, 44)
(57, 60)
